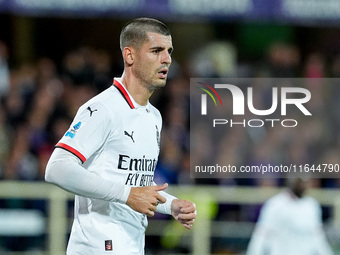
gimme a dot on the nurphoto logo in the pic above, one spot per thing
(243, 102)
(268, 128)
(204, 97)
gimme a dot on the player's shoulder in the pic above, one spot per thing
(110, 99)
(277, 200)
(98, 100)
(106, 97)
(98, 108)
(311, 201)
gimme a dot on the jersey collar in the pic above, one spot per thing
(124, 93)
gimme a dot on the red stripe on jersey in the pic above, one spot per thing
(70, 149)
(124, 93)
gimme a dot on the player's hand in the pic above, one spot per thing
(184, 212)
(146, 199)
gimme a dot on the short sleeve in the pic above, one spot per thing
(88, 131)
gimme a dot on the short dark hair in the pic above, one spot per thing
(134, 33)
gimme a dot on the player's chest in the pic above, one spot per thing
(139, 135)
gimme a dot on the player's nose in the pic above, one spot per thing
(166, 58)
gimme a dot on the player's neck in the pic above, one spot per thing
(138, 92)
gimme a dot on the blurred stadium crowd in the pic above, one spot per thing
(40, 98)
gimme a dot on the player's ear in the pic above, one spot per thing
(128, 54)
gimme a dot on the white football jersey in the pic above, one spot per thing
(117, 139)
(288, 225)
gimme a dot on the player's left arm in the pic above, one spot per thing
(184, 211)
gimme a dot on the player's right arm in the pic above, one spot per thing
(65, 170)
(145, 199)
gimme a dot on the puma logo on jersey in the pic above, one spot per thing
(91, 111)
(131, 136)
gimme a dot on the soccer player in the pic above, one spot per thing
(290, 223)
(109, 154)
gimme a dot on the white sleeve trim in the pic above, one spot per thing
(165, 208)
(64, 170)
